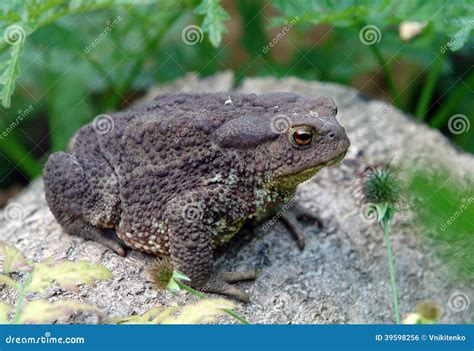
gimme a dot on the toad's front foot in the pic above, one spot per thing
(290, 218)
(219, 283)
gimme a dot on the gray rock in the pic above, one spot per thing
(341, 276)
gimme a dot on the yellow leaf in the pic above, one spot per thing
(4, 310)
(67, 274)
(203, 311)
(148, 317)
(41, 311)
(4, 279)
(13, 260)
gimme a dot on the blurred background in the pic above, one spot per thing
(64, 62)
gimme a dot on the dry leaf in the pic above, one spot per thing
(41, 311)
(4, 279)
(203, 311)
(12, 259)
(67, 274)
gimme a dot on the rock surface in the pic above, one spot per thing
(341, 276)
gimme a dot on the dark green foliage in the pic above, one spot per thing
(445, 207)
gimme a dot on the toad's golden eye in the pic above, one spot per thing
(301, 136)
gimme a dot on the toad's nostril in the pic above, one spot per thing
(332, 135)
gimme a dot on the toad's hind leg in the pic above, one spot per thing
(78, 206)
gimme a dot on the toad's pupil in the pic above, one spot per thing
(302, 137)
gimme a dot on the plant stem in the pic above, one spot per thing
(428, 89)
(386, 234)
(387, 72)
(230, 312)
(21, 299)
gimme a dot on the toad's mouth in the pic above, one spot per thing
(336, 160)
(311, 171)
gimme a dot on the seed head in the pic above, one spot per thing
(161, 273)
(381, 186)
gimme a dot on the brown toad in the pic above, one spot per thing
(181, 175)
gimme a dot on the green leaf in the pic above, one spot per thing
(451, 18)
(41, 311)
(176, 277)
(4, 311)
(203, 311)
(4, 279)
(13, 260)
(180, 276)
(460, 37)
(19, 19)
(67, 274)
(11, 73)
(214, 18)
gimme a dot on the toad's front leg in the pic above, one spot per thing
(191, 250)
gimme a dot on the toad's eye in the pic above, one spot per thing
(301, 137)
